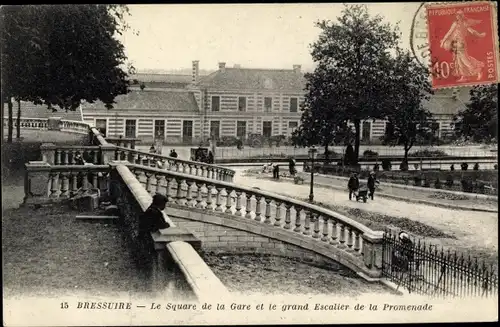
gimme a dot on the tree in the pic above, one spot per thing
(354, 61)
(61, 55)
(407, 118)
(320, 124)
(478, 121)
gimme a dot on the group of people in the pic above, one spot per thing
(353, 185)
(172, 153)
(276, 168)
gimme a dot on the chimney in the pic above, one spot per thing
(196, 71)
(222, 66)
(296, 68)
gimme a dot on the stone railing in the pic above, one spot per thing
(358, 243)
(123, 141)
(172, 164)
(173, 247)
(73, 126)
(96, 138)
(29, 123)
(44, 182)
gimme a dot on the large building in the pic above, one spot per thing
(228, 102)
(231, 102)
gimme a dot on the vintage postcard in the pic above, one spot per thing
(219, 164)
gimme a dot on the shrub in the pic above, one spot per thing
(480, 187)
(437, 183)
(428, 153)
(386, 164)
(449, 181)
(227, 141)
(476, 166)
(403, 166)
(376, 167)
(426, 182)
(464, 166)
(495, 167)
(369, 153)
(416, 166)
(466, 185)
(417, 180)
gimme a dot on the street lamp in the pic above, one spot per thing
(312, 154)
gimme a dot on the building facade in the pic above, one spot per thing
(231, 102)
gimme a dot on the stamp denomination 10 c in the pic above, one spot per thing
(463, 41)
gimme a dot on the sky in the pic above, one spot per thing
(251, 35)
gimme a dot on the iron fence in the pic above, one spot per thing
(424, 269)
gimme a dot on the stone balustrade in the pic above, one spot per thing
(96, 138)
(45, 182)
(172, 164)
(123, 141)
(78, 127)
(29, 123)
(359, 242)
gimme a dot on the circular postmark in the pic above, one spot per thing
(419, 36)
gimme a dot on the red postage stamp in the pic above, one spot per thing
(463, 41)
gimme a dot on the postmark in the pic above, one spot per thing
(463, 44)
(419, 36)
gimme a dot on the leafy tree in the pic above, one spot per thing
(354, 63)
(320, 123)
(479, 121)
(61, 55)
(407, 118)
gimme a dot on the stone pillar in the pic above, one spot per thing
(36, 182)
(53, 124)
(372, 253)
(107, 153)
(48, 153)
(159, 275)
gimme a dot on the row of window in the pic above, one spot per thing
(242, 104)
(187, 128)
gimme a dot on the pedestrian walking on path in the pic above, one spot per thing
(353, 184)
(372, 181)
(291, 166)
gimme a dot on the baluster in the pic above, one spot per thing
(334, 240)
(307, 223)
(209, 196)
(316, 218)
(213, 173)
(73, 183)
(324, 238)
(71, 159)
(94, 157)
(177, 167)
(218, 202)
(58, 157)
(64, 157)
(288, 219)
(248, 206)
(159, 179)
(95, 182)
(168, 192)
(184, 168)
(268, 211)
(298, 223)
(179, 191)
(342, 236)
(277, 219)
(258, 214)
(189, 196)
(229, 201)
(349, 239)
(85, 182)
(357, 245)
(199, 197)
(190, 169)
(197, 170)
(138, 159)
(63, 177)
(238, 203)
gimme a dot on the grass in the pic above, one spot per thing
(268, 274)
(46, 251)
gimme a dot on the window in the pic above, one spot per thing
(242, 103)
(187, 131)
(215, 103)
(130, 128)
(268, 104)
(293, 104)
(267, 128)
(215, 129)
(101, 125)
(159, 132)
(241, 129)
(292, 126)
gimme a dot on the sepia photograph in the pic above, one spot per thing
(217, 164)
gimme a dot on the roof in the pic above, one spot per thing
(443, 102)
(246, 78)
(160, 101)
(161, 78)
(31, 110)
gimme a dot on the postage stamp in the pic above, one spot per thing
(463, 43)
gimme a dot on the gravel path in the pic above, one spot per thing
(470, 228)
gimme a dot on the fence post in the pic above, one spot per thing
(48, 152)
(107, 153)
(36, 182)
(372, 252)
